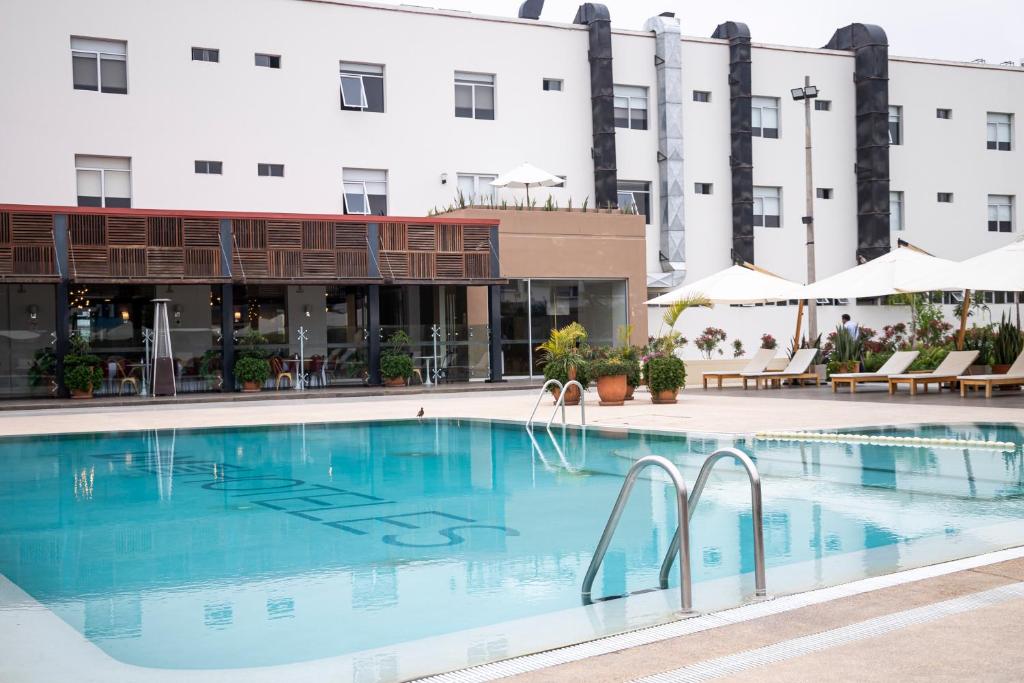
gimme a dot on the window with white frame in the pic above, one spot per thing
(896, 211)
(999, 131)
(635, 196)
(268, 61)
(552, 84)
(270, 170)
(362, 87)
(630, 107)
(209, 167)
(768, 207)
(1000, 213)
(476, 188)
(99, 65)
(474, 95)
(895, 125)
(104, 181)
(703, 188)
(205, 54)
(764, 117)
(701, 96)
(822, 105)
(366, 191)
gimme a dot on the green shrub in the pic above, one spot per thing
(80, 376)
(250, 343)
(560, 371)
(665, 373)
(252, 369)
(874, 360)
(608, 367)
(394, 360)
(1008, 343)
(982, 340)
(632, 371)
(929, 358)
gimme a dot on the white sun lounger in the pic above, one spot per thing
(954, 365)
(798, 369)
(896, 365)
(1013, 377)
(758, 363)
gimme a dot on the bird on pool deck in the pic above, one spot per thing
(420, 414)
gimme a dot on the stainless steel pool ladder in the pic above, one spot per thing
(559, 403)
(685, 504)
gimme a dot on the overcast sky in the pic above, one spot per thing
(943, 29)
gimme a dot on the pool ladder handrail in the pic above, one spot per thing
(540, 397)
(559, 403)
(683, 515)
(760, 589)
(685, 505)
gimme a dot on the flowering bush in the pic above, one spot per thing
(768, 341)
(709, 340)
(737, 348)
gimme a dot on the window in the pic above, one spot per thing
(476, 189)
(703, 188)
(823, 105)
(999, 131)
(824, 193)
(212, 167)
(99, 65)
(630, 107)
(271, 170)
(1000, 213)
(767, 207)
(764, 117)
(553, 84)
(474, 96)
(366, 191)
(205, 54)
(362, 87)
(269, 61)
(104, 181)
(944, 197)
(636, 196)
(895, 125)
(943, 113)
(896, 211)
(701, 96)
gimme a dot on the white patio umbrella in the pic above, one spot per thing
(892, 273)
(999, 270)
(734, 285)
(527, 175)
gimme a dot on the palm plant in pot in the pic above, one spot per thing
(664, 371)
(563, 358)
(630, 355)
(395, 362)
(82, 370)
(846, 352)
(252, 368)
(612, 374)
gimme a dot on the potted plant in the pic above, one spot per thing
(709, 340)
(43, 369)
(395, 362)
(846, 352)
(82, 370)
(737, 348)
(982, 340)
(252, 368)
(612, 376)
(1006, 347)
(630, 355)
(666, 375)
(768, 341)
(563, 359)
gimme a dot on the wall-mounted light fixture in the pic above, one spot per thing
(444, 178)
(238, 316)
(125, 315)
(177, 313)
(306, 311)
(33, 312)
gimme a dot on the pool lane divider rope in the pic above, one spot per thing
(836, 437)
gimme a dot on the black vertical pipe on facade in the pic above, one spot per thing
(494, 341)
(62, 310)
(227, 309)
(870, 47)
(373, 334)
(741, 155)
(602, 101)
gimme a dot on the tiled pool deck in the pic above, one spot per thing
(977, 642)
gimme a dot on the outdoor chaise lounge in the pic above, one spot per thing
(1013, 377)
(758, 363)
(954, 365)
(896, 365)
(799, 369)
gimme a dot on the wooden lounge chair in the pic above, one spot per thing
(1013, 377)
(954, 365)
(896, 365)
(759, 363)
(799, 369)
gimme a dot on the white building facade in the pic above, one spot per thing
(335, 107)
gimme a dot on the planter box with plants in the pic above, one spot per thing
(666, 375)
(395, 362)
(252, 368)
(612, 380)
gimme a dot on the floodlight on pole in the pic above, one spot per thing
(808, 92)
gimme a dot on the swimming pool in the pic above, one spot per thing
(405, 548)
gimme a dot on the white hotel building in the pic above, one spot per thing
(240, 105)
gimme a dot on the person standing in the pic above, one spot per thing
(850, 326)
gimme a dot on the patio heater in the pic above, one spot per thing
(163, 359)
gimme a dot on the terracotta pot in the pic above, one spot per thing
(852, 366)
(611, 389)
(251, 387)
(394, 381)
(664, 396)
(1000, 368)
(629, 392)
(79, 394)
(571, 399)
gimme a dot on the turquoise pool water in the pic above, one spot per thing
(228, 548)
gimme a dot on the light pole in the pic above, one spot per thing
(808, 93)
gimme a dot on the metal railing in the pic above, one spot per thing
(760, 589)
(563, 392)
(682, 511)
(540, 397)
(685, 505)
